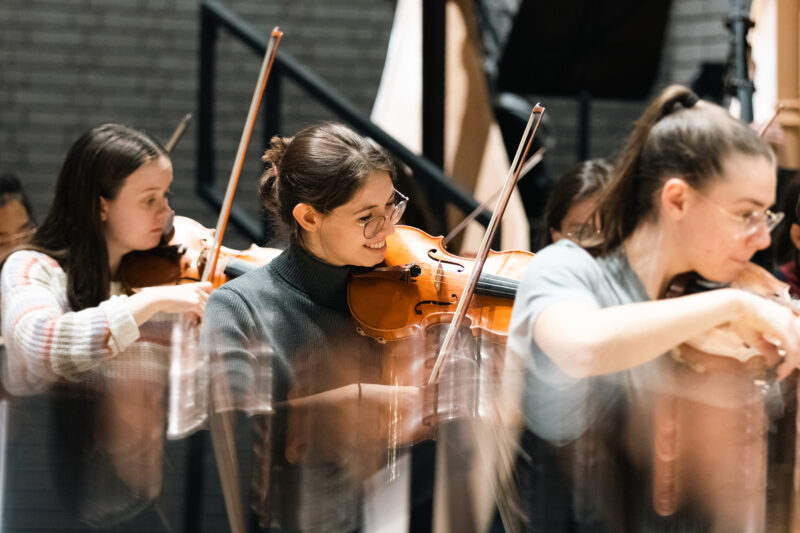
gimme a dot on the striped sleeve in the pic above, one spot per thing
(45, 340)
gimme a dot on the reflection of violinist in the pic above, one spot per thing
(69, 325)
(690, 193)
(285, 332)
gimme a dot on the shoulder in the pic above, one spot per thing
(561, 262)
(23, 266)
(254, 286)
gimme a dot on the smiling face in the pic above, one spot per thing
(718, 241)
(136, 218)
(338, 238)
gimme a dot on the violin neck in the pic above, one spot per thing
(499, 286)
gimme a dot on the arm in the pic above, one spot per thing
(585, 340)
(44, 339)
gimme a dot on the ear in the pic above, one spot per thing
(554, 234)
(103, 209)
(308, 217)
(675, 198)
(794, 233)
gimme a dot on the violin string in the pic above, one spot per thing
(505, 289)
(487, 280)
(454, 283)
(457, 282)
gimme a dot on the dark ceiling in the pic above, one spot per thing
(608, 48)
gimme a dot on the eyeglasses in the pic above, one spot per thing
(374, 225)
(17, 238)
(750, 222)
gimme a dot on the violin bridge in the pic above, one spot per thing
(439, 276)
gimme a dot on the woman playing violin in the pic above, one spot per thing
(690, 193)
(68, 324)
(286, 335)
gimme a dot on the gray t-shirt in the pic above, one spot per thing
(557, 406)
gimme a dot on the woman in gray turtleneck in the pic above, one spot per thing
(287, 342)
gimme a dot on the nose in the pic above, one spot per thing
(165, 209)
(388, 228)
(761, 239)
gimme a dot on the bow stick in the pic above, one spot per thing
(178, 133)
(233, 181)
(483, 251)
(767, 124)
(221, 424)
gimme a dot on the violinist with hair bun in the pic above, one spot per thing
(71, 328)
(690, 192)
(288, 344)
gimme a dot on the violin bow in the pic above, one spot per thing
(178, 133)
(767, 124)
(221, 424)
(529, 165)
(233, 181)
(466, 295)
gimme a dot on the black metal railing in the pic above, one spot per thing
(215, 16)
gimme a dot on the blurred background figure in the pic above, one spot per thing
(572, 200)
(786, 245)
(16, 215)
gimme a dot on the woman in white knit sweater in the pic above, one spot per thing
(70, 327)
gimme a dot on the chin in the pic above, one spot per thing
(723, 274)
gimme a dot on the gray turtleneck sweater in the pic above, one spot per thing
(284, 331)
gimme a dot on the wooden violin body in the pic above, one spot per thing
(410, 300)
(420, 283)
(184, 256)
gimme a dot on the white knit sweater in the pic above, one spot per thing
(46, 341)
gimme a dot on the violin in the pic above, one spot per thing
(409, 300)
(183, 258)
(722, 341)
(714, 412)
(420, 283)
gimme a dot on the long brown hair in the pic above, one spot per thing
(322, 166)
(676, 135)
(96, 166)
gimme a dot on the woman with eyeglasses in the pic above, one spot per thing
(16, 216)
(690, 192)
(73, 331)
(285, 344)
(570, 208)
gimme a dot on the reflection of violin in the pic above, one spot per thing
(714, 414)
(420, 284)
(184, 256)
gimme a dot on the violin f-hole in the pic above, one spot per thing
(435, 302)
(434, 250)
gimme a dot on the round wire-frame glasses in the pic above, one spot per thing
(751, 221)
(374, 225)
